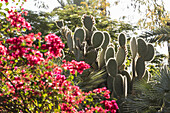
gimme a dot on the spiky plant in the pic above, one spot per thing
(153, 96)
(160, 35)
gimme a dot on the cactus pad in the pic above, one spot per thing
(122, 40)
(150, 53)
(129, 80)
(133, 47)
(88, 22)
(79, 36)
(142, 47)
(110, 83)
(78, 53)
(119, 85)
(111, 67)
(101, 61)
(91, 56)
(70, 42)
(107, 39)
(110, 53)
(125, 88)
(140, 67)
(120, 57)
(97, 39)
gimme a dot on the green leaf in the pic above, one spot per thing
(6, 9)
(0, 5)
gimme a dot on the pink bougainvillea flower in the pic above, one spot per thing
(54, 45)
(75, 66)
(3, 50)
(17, 20)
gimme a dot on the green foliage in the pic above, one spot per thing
(72, 14)
(154, 94)
(41, 22)
(158, 35)
(155, 11)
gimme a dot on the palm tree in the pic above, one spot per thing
(154, 96)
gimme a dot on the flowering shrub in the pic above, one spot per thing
(54, 45)
(31, 80)
(17, 20)
(75, 66)
(33, 87)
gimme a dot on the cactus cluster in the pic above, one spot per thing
(95, 47)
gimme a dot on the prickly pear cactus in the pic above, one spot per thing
(122, 40)
(107, 65)
(142, 47)
(111, 66)
(133, 47)
(97, 39)
(88, 22)
(79, 36)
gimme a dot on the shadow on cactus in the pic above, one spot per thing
(107, 65)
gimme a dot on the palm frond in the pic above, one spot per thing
(158, 35)
(153, 96)
(163, 80)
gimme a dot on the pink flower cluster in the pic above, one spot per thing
(20, 82)
(94, 109)
(16, 50)
(35, 58)
(110, 105)
(104, 89)
(17, 20)
(75, 66)
(3, 50)
(54, 45)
